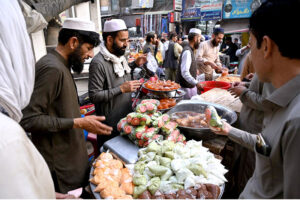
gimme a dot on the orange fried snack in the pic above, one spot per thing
(127, 187)
(126, 176)
(115, 164)
(104, 183)
(106, 157)
(101, 171)
(116, 174)
(112, 192)
(100, 164)
(125, 197)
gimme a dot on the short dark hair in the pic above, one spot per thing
(265, 20)
(83, 36)
(228, 39)
(149, 36)
(172, 34)
(191, 36)
(218, 31)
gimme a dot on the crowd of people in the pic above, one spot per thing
(41, 99)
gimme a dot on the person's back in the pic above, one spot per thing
(24, 172)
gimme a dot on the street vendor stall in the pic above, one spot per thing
(153, 147)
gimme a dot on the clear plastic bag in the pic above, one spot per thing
(151, 63)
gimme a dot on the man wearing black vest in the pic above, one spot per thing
(170, 61)
(187, 69)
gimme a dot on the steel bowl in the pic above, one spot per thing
(199, 107)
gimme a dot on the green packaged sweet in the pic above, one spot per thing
(164, 161)
(139, 179)
(167, 146)
(212, 117)
(167, 175)
(139, 190)
(197, 169)
(177, 186)
(169, 154)
(158, 170)
(139, 167)
(153, 147)
(157, 159)
(154, 185)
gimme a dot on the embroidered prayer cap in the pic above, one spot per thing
(114, 25)
(79, 24)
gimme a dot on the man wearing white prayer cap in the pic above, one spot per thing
(187, 70)
(208, 54)
(53, 115)
(110, 77)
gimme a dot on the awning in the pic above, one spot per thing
(235, 25)
(159, 12)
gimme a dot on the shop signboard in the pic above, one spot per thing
(135, 4)
(211, 10)
(192, 14)
(233, 9)
(105, 5)
(177, 5)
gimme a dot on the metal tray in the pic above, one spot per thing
(160, 91)
(176, 94)
(123, 148)
(97, 194)
(196, 106)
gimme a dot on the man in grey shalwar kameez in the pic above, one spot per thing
(110, 77)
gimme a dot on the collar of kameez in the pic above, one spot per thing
(285, 94)
(62, 59)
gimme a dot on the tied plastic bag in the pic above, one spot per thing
(151, 64)
(213, 119)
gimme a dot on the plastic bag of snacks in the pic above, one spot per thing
(212, 118)
(154, 101)
(146, 108)
(169, 127)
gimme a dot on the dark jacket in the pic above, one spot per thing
(193, 69)
(231, 52)
(49, 117)
(170, 59)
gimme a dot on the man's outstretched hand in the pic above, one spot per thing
(93, 124)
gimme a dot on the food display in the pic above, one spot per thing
(147, 125)
(169, 170)
(166, 103)
(229, 79)
(113, 180)
(161, 85)
(190, 119)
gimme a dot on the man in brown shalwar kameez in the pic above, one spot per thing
(53, 116)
